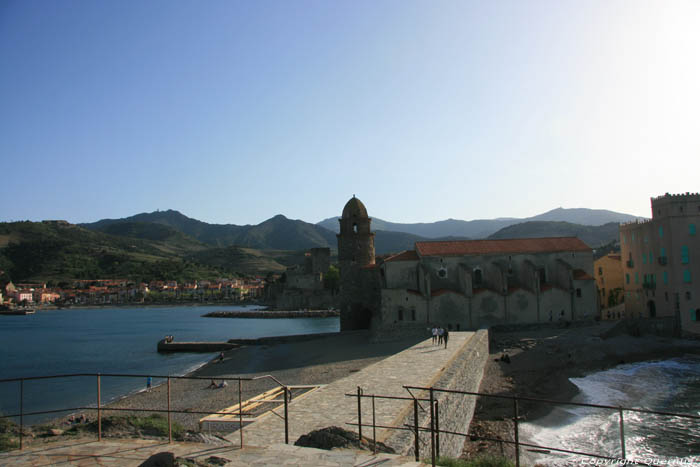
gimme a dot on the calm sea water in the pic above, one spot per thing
(115, 340)
(668, 385)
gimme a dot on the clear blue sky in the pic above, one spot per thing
(234, 111)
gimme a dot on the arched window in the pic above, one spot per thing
(478, 277)
(354, 228)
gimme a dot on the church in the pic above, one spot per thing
(459, 285)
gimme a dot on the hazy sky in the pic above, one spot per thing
(234, 111)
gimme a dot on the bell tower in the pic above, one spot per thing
(355, 251)
(355, 240)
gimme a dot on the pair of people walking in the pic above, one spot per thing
(440, 336)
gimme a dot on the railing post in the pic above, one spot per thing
(432, 427)
(415, 428)
(437, 431)
(374, 427)
(359, 412)
(99, 410)
(21, 412)
(622, 435)
(170, 425)
(286, 416)
(515, 432)
(240, 411)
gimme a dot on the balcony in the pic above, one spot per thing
(663, 260)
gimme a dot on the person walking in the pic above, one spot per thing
(435, 335)
(441, 335)
(446, 336)
(149, 383)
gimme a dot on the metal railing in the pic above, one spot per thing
(100, 408)
(435, 431)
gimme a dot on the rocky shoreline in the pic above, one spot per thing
(540, 365)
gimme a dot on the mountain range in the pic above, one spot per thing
(595, 226)
(483, 228)
(170, 245)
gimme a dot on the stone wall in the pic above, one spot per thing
(462, 373)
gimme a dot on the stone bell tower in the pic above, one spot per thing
(355, 253)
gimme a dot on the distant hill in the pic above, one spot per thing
(46, 251)
(593, 236)
(482, 228)
(277, 233)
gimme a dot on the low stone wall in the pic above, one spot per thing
(194, 346)
(462, 373)
(273, 314)
(666, 326)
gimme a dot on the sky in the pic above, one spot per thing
(235, 111)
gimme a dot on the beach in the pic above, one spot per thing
(316, 361)
(541, 363)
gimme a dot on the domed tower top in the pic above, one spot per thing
(354, 208)
(356, 240)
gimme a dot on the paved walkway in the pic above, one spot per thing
(134, 452)
(419, 365)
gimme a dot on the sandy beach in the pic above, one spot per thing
(541, 363)
(317, 361)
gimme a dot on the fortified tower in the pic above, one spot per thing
(355, 254)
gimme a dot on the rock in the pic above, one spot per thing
(55, 432)
(162, 459)
(336, 437)
(213, 460)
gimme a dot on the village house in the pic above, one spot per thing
(609, 282)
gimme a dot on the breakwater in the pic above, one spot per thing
(164, 346)
(274, 314)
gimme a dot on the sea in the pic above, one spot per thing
(114, 340)
(671, 385)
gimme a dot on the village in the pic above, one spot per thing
(122, 291)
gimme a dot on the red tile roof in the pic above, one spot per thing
(581, 275)
(408, 255)
(490, 247)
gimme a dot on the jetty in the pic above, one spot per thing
(29, 311)
(170, 346)
(273, 314)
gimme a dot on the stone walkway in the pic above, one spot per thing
(419, 365)
(134, 452)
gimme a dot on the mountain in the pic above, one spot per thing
(482, 228)
(278, 233)
(593, 235)
(56, 251)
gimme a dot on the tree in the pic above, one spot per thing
(331, 280)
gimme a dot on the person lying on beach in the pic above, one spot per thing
(223, 384)
(213, 385)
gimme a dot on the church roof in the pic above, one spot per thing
(354, 208)
(581, 275)
(490, 247)
(408, 255)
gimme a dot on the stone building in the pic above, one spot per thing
(661, 261)
(460, 284)
(304, 284)
(608, 278)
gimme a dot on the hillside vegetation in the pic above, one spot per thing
(593, 236)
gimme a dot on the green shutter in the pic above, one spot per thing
(661, 231)
(665, 277)
(684, 255)
(691, 229)
(627, 278)
(686, 275)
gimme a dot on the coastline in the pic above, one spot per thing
(317, 361)
(541, 364)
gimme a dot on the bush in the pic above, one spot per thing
(9, 432)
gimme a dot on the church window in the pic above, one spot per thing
(413, 314)
(543, 275)
(478, 278)
(442, 272)
(578, 293)
(400, 314)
